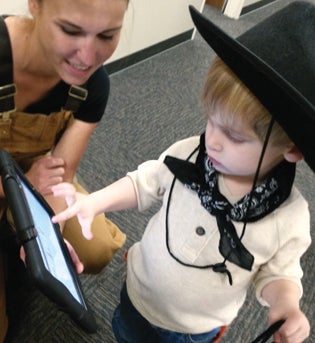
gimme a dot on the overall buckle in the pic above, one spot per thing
(78, 92)
(5, 124)
(7, 91)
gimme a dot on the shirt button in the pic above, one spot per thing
(200, 231)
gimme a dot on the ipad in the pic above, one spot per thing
(47, 258)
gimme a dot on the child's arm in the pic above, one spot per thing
(283, 297)
(117, 196)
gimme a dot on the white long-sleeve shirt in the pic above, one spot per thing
(191, 300)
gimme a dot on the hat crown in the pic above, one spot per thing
(286, 41)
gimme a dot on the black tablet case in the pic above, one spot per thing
(12, 179)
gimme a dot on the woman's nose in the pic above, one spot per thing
(87, 51)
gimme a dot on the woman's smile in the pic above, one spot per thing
(78, 71)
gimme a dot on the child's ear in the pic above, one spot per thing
(293, 154)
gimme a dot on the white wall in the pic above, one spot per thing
(14, 7)
(249, 2)
(147, 22)
(233, 8)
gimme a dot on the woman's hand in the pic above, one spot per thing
(78, 205)
(75, 259)
(45, 173)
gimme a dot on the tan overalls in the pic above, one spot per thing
(30, 136)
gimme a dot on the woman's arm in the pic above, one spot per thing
(72, 145)
(66, 157)
(283, 297)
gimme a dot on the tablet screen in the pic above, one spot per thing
(48, 243)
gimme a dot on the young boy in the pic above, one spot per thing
(230, 215)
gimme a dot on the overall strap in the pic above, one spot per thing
(7, 87)
(76, 95)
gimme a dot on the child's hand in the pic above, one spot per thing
(78, 205)
(295, 329)
(283, 297)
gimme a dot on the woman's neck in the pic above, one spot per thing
(27, 55)
(32, 76)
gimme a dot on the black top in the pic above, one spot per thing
(91, 110)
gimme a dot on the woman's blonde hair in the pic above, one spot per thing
(225, 95)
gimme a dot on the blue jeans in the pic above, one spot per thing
(130, 327)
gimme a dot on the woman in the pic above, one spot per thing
(53, 92)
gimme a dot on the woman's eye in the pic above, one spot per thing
(70, 32)
(74, 32)
(106, 37)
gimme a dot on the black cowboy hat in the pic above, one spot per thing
(276, 60)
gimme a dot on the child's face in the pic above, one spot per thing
(235, 150)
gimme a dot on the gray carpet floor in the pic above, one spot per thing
(152, 104)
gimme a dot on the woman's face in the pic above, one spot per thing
(77, 36)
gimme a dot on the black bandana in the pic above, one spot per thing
(202, 178)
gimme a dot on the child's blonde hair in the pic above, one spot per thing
(225, 95)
